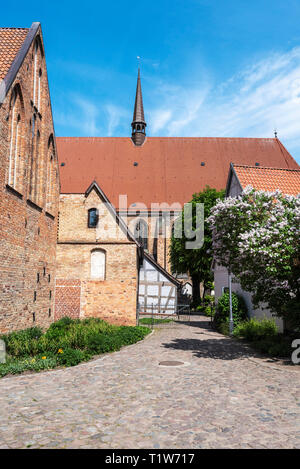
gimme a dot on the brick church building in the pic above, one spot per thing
(76, 237)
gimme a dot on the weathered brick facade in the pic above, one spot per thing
(29, 195)
(78, 294)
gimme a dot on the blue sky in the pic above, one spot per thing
(209, 67)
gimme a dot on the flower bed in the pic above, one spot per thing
(67, 342)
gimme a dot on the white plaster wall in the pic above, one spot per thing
(221, 280)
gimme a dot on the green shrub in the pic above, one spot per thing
(19, 365)
(275, 346)
(71, 357)
(223, 327)
(239, 310)
(254, 329)
(67, 342)
(208, 300)
(209, 311)
(21, 343)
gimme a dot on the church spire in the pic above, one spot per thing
(138, 123)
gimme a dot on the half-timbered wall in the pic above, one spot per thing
(156, 290)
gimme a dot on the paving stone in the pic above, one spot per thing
(224, 396)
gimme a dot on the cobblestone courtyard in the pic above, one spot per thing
(222, 397)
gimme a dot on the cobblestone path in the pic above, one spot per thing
(221, 397)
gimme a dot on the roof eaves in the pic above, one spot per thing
(18, 60)
(162, 270)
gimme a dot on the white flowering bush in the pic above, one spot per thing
(256, 237)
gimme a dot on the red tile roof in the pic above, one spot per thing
(269, 179)
(11, 40)
(168, 170)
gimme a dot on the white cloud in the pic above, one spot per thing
(114, 114)
(263, 96)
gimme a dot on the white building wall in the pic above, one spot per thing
(221, 282)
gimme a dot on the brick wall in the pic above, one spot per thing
(28, 203)
(112, 299)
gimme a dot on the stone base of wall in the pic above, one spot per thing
(112, 301)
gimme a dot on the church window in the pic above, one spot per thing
(15, 178)
(92, 218)
(39, 90)
(98, 264)
(141, 233)
(35, 59)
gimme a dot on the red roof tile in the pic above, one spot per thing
(269, 179)
(168, 170)
(11, 40)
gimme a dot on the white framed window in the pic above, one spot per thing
(98, 264)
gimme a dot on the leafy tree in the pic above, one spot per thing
(195, 262)
(256, 237)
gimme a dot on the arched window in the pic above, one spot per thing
(15, 171)
(39, 91)
(93, 218)
(35, 64)
(141, 233)
(32, 157)
(37, 72)
(51, 175)
(98, 264)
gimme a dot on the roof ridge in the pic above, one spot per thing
(264, 167)
(172, 138)
(13, 28)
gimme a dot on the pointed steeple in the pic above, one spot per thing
(138, 123)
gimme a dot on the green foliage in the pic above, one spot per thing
(150, 321)
(19, 365)
(71, 357)
(209, 311)
(197, 262)
(239, 310)
(67, 342)
(21, 342)
(264, 337)
(254, 329)
(256, 237)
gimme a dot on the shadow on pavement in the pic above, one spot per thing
(218, 348)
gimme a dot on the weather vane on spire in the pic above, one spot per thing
(275, 132)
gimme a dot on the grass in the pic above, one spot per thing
(67, 342)
(154, 321)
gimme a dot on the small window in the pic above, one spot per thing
(92, 218)
(141, 233)
(98, 264)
